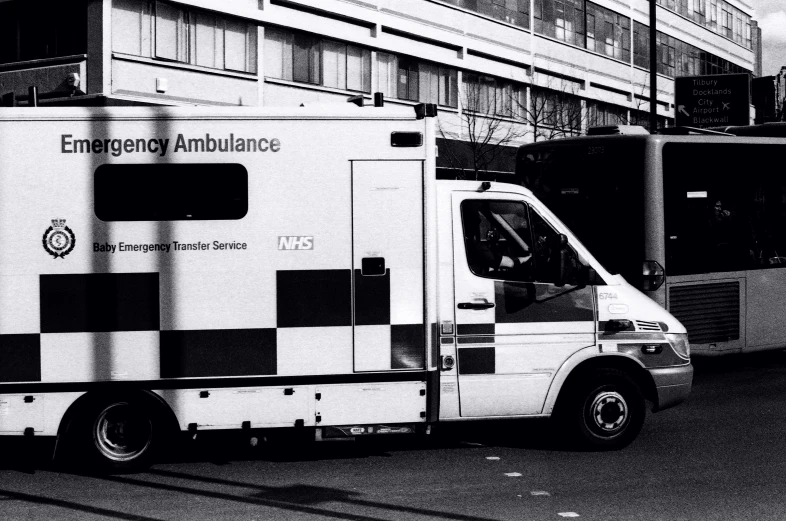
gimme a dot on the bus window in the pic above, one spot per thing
(722, 212)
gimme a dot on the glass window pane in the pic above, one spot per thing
(305, 59)
(334, 64)
(448, 87)
(387, 65)
(206, 35)
(358, 69)
(252, 39)
(278, 54)
(429, 83)
(236, 55)
(127, 26)
(408, 79)
(170, 32)
(497, 239)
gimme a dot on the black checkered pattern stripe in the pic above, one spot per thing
(514, 304)
(95, 303)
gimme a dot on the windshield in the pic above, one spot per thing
(596, 188)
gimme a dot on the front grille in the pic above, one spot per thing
(710, 312)
(642, 325)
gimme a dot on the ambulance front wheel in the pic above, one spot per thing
(604, 411)
(117, 435)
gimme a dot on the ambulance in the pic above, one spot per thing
(166, 271)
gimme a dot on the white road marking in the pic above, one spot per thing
(494, 458)
(540, 493)
(568, 514)
(513, 474)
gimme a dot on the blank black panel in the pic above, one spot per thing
(99, 302)
(172, 191)
(314, 298)
(372, 299)
(20, 358)
(475, 329)
(407, 346)
(219, 352)
(477, 360)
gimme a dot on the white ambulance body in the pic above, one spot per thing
(183, 269)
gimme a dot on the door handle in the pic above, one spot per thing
(475, 305)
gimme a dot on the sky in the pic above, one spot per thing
(771, 15)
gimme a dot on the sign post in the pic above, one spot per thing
(712, 101)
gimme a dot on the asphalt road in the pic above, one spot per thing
(719, 456)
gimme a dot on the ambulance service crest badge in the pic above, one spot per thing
(58, 239)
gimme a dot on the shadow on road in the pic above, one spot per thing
(709, 367)
(222, 447)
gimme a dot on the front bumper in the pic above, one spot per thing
(672, 385)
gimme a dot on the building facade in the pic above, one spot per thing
(501, 71)
(757, 49)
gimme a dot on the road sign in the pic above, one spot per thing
(712, 101)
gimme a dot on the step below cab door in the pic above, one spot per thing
(514, 326)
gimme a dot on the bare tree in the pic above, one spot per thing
(486, 126)
(553, 110)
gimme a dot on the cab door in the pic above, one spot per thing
(514, 325)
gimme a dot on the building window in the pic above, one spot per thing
(514, 12)
(717, 15)
(209, 41)
(306, 58)
(35, 30)
(560, 19)
(406, 78)
(608, 32)
(677, 58)
(641, 45)
(492, 96)
(170, 32)
(666, 55)
(557, 109)
(602, 114)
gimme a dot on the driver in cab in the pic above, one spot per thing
(490, 250)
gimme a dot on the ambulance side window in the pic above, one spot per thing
(498, 239)
(171, 192)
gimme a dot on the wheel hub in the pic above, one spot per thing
(120, 434)
(609, 411)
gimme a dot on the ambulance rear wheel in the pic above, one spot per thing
(117, 436)
(604, 411)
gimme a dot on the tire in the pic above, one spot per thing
(117, 435)
(604, 411)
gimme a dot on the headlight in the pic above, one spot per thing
(679, 342)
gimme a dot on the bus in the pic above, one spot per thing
(696, 221)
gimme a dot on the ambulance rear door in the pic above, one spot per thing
(388, 264)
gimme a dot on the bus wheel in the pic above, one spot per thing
(605, 411)
(117, 435)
